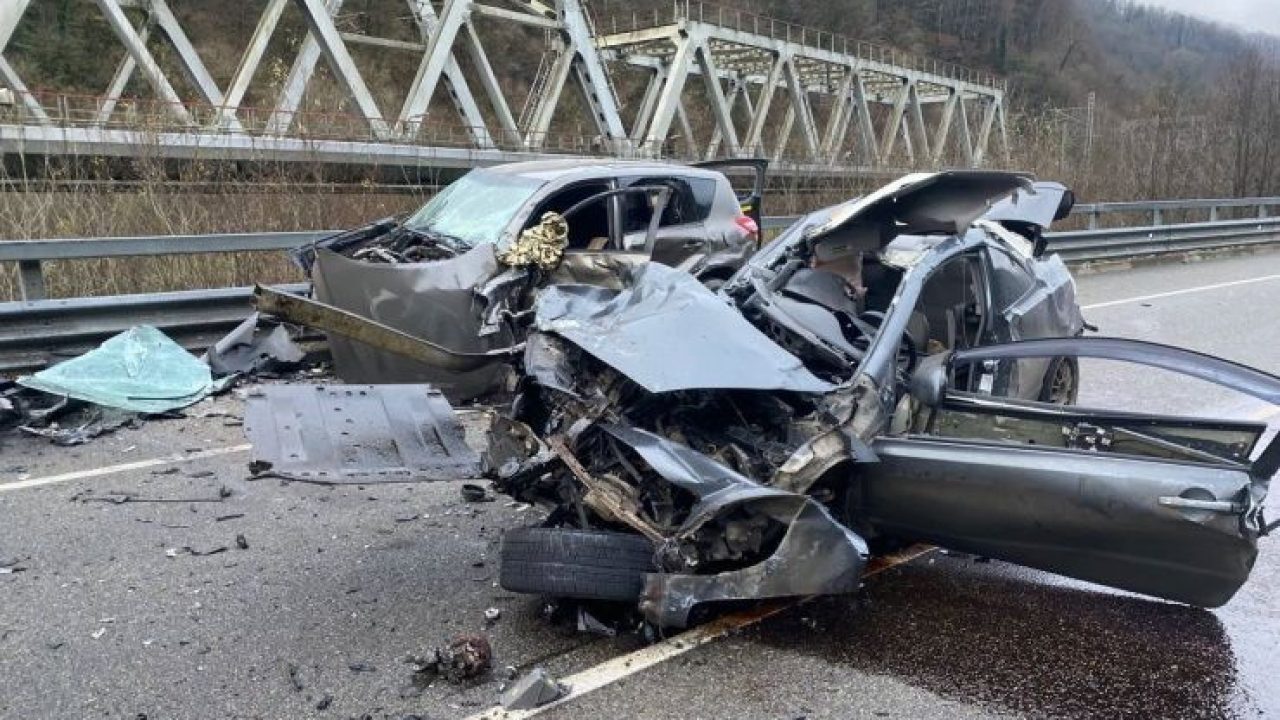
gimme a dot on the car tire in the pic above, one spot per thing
(579, 564)
(1061, 382)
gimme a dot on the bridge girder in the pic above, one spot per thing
(851, 109)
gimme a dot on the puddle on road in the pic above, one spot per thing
(1010, 639)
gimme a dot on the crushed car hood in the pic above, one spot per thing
(710, 347)
(917, 204)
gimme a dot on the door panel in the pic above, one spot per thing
(1098, 517)
(1167, 506)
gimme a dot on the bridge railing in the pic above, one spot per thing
(34, 329)
(763, 25)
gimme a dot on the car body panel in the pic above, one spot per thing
(1169, 507)
(464, 303)
(621, 327)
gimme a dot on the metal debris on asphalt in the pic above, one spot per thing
(466, 656)
(473, 493)
(537, 687)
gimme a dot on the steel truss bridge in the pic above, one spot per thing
(817, 103)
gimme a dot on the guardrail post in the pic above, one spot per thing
(1262, 212)
(30, 280)
(1157, 217)
(1093, 219)
(1213, 213)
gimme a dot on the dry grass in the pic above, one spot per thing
(78, 203)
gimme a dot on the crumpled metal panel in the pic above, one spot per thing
(356, 434)
(816, 556)
(667, 332)
(437, 301)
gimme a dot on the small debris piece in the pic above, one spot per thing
(325, 702)
(361, 667)
(232, 516)
(473, 493)
(202, 552)
(241, 542)
(492, 614)
(291, 670)
(589, 623)
(536, 688)
(465, 657)
(166, 471)
(97, 634)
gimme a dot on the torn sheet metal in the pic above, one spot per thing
(252, 348)
(435, 301)
(1040, 206)
(711, 346)
(356, 434)
(139, 370)
(371, 333)
(816, 555)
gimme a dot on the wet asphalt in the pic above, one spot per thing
(113, 616)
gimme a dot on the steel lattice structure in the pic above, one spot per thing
(848, 106)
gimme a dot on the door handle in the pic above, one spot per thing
(1219, 506)
(691, 244)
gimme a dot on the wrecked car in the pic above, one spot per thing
(901, 367)
(460, 255)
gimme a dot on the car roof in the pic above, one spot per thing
(588, 169)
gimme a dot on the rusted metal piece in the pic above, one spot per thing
(304, 311)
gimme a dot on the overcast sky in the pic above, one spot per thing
(1258, 15)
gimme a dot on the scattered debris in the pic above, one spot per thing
(325, 702)
(251, 349)
(473, 493)
(195, 552)
(291, 672)
(120, 497)
(95, 421)
(537, 687)
(589, 623)
(361, 667)
(492, 615)
(465, 657)
(97, 634)
(241, 542)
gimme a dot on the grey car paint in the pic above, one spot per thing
(816, 555)
(440, 304)
(1179, 519)
(449, 301)
(710, 346)
(1184, 529)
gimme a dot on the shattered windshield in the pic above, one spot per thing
(476, 208)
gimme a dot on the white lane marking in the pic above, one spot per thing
(1184, 291)
(125, 467)
(623, 666)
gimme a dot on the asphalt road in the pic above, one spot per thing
(114, 617)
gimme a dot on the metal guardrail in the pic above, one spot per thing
(34, 329)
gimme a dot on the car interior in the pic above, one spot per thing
(590, 227)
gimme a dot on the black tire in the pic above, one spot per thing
(1061, 382)
(580, 564)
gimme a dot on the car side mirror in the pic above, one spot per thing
(928, 382)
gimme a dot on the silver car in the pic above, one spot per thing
(437, 275)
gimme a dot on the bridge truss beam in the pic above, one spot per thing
(843, 110)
